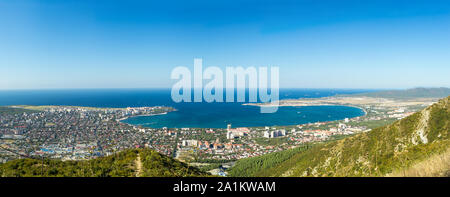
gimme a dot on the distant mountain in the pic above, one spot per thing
(128, 163)
(409, 93)
(418, 145)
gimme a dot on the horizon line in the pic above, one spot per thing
(168, 88)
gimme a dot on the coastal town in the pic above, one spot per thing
(79, 133)
(69, 133)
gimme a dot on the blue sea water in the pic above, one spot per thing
(196, 115)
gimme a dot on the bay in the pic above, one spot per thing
(194, 115)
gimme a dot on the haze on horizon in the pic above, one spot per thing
(381, 44)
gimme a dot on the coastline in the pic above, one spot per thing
(270, 105)
(124, 118)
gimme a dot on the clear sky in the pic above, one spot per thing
(136, 44)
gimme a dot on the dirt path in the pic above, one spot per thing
(138, 165)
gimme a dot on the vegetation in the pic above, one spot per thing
(380, 152)
(158, 165)
(373, 123)
(122, 164)
(13, 110)
(436, 165)
(271, 141)
(259, 166)
(212, 161)
(211, 166)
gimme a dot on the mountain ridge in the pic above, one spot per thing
(380, 152)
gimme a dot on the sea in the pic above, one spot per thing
(190, 115)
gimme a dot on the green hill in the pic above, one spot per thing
(12, 110)
(128, 163)
(408, 94)
(417, 145)
(257, 166)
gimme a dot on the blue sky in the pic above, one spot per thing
(136, 44)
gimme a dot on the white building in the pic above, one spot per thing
(266, 134)
(273, 134)
(190, 143)
(230, 135)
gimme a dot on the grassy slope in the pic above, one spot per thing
(379, 152)
(436, 165)
(122, 164)
(258, 166)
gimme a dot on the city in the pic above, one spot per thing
(81, 133)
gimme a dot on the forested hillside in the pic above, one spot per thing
(258, 166)
(395, 149)
(128, 163)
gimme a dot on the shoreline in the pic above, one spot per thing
(314, 105)
(124, 118)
